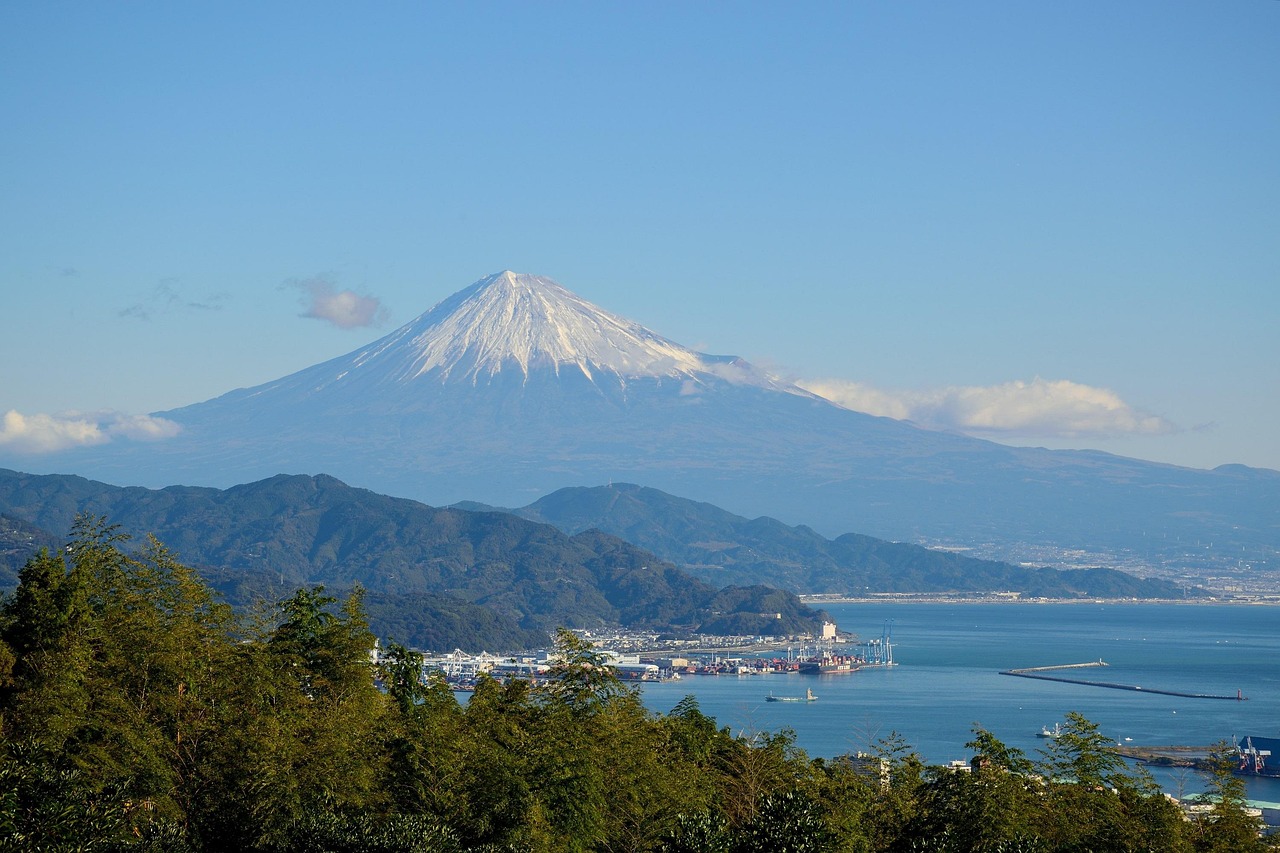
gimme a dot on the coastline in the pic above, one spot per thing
(937, 598)
(949, 680)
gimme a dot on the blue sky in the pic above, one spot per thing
(1044, 223)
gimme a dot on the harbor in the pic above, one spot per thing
(961, 653)
(1251, 756)
(947, 682)
(831, 653)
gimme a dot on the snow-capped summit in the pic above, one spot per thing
(519, 320)
(510, 319)
(516, 323)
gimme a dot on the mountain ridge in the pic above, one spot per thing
(268, 538)
(713, 544)
(728, 434)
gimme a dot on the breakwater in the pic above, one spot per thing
(1043, 673)
(1098, 662)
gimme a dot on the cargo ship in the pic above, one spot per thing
(807, 697)
(830, 665)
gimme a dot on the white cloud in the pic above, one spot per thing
(345, 309)
(737, 372)
(46, 433)
(860, 397)
(1046, 408)
(43, 433)
(141, 427)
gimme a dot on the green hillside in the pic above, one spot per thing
(720, 547)
(264, 540)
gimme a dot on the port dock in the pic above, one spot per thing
(1098, 662)
(1044, 673)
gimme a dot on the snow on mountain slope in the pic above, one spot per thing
(516, 322)
(531, 320)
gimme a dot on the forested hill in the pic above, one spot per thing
(18, 541)
(428, 570)
(138, 714)
(716, 546)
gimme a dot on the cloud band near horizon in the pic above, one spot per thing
(1043, 408)
(42, 433)
(1040, 408)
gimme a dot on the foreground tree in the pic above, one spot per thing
(113, 661)
(298, 735)
(994, 805)
(421, 739)
(43, 697)
(138, 713)
(1091, 802)
(1226, 827)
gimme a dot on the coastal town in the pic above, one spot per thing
(650, 657)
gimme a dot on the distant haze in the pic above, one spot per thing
(514, 387)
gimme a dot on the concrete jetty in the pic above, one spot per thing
(1041, 673)
(1098, 662)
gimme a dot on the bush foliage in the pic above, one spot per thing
(138, 712)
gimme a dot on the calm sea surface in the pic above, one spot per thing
(947, 680)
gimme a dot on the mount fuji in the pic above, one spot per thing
(515, 387)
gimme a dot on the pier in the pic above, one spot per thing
(1098, 662)
(1042, 673)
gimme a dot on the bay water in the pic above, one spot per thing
(948, 680)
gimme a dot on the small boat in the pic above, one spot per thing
(807, 697)
(1050, 732)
